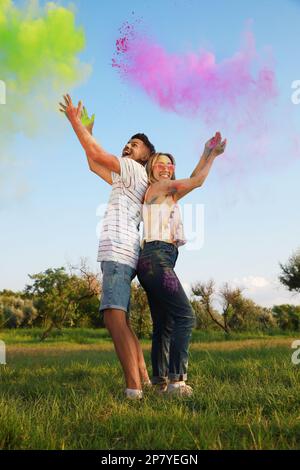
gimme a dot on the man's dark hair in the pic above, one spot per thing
(146, 141)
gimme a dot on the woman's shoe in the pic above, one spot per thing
(180, 389)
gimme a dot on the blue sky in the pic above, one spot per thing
(251, 219)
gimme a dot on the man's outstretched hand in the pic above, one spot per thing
(72, 113)
(77, 114)
(87, 121)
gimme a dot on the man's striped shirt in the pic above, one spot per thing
(119, 239)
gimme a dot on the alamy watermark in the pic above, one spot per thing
(2, 92)
(2, 353)
(163, 220)
(296, 354)
(295, 97)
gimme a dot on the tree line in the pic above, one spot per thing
(69, 297)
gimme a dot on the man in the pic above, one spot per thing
(119, 242)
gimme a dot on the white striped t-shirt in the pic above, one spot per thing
(119, 239)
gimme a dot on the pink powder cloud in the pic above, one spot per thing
(240, 86)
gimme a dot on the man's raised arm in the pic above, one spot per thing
(96, 168)
(94, 151)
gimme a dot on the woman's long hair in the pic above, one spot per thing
(152, 160)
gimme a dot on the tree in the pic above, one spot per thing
(16, 312)
(140, 317)
(266, 318)
(59, 296)
(290, 276)
(91, 316)
(248, 316)
(287, 317)
(229, 298)
(238, 312)
(8, 293)
(203, 320)
(206, 291)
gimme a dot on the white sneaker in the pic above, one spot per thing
(133, 394)
(180, 388)
(147, 384)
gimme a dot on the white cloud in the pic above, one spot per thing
(252, 282)
(256, 281)
(263, 291)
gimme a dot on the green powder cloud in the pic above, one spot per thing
(39, 60)
(39, 44)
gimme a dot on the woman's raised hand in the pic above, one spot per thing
(215, 145)
(219, 148)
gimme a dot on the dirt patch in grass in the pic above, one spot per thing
(58, 349)
(245, 344)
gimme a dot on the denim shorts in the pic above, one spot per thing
(116, 283)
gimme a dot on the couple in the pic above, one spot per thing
(144, 186)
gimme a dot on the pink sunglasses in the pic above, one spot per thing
(162, 166)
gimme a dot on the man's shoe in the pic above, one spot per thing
(147, 385)
(133, 394)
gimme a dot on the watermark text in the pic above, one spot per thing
(2, 353)
(296, 354)
(2, 92)
(295, 97)
(119, 223)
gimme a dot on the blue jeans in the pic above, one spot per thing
(172, 314)
(116, 283)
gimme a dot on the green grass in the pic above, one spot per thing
(68, 393)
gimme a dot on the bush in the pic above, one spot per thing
(287, 317)
(203, 320)
(16, 312)
(140, 317)
(248, 316)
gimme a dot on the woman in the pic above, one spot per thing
(172, 315)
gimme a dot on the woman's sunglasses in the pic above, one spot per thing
(162, 166)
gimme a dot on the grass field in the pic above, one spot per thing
(68, 393)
